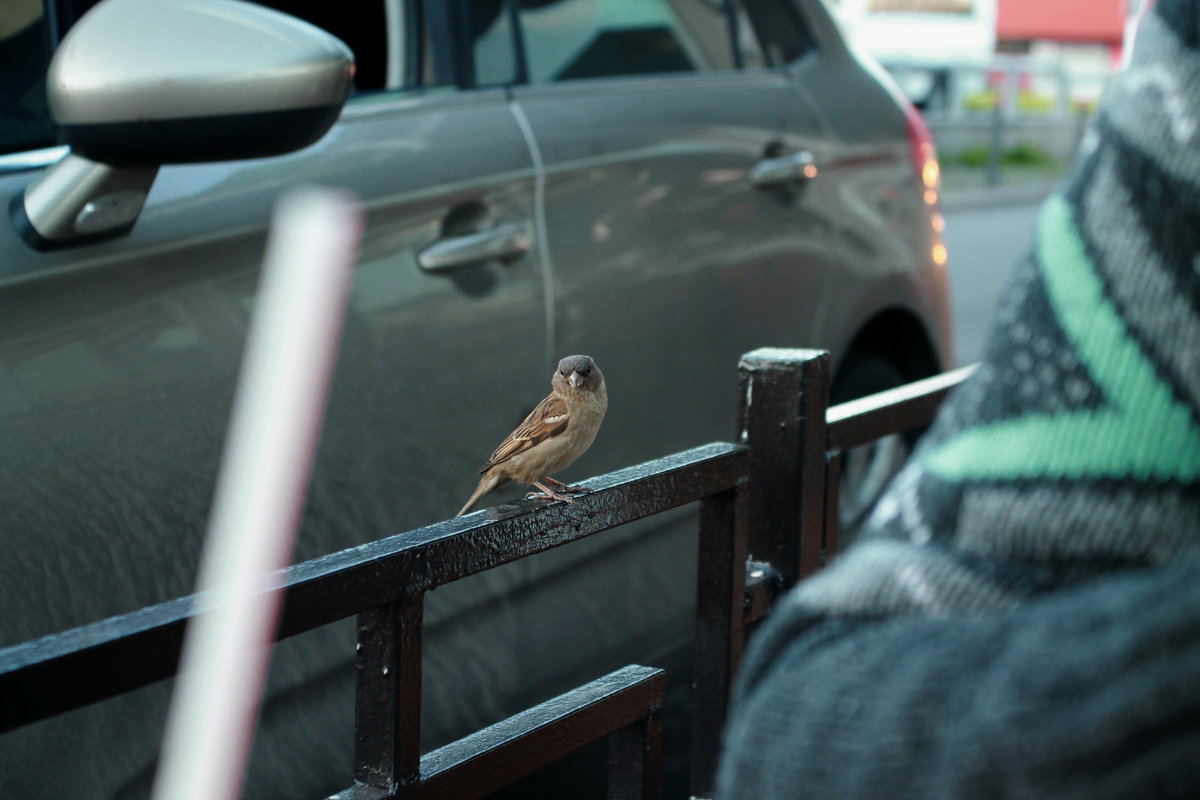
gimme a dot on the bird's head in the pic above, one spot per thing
(579, 372)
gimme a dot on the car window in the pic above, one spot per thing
(770, 33)
(571, 39)
(368, 27)
(24, 55)
(749, 51)
(493, 47)
(361, 24)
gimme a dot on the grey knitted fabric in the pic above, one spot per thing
(1091, 694)
(1023, 617)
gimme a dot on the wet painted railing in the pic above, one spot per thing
(765, 522)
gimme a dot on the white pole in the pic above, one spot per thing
(273, 431)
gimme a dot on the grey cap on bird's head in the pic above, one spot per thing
(576, 369)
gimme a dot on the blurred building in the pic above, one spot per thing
(921, 31)
(947, 53)
(1084, 36)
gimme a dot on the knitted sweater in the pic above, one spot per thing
(1022, 619)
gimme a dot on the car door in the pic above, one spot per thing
(118, 362)
(680, 230)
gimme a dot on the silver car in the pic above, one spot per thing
(662, 184)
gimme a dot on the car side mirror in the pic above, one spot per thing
(140, 83)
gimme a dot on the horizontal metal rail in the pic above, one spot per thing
(625, 704)
(862, 421)
(85, 665)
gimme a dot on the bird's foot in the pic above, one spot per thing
(562, 487)
(547, 493)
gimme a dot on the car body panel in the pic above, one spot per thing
(664, 253)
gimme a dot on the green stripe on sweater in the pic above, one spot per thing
(1142, 431)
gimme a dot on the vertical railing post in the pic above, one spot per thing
(635, 760)
(785, 394)
(720, 635)
(387, 705)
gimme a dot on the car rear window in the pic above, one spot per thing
(777, 29)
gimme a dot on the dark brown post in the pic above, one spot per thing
(387, 710)
(720, 635)
(635, 759)
(785, 395)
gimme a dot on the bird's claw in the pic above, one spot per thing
(562, 487)
(549, 496)
(561, 492)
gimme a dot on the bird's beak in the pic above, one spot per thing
(576, 380)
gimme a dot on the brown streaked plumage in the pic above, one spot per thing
(554, 434)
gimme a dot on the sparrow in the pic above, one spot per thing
(554, 434)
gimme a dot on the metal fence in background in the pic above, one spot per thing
(767, 518)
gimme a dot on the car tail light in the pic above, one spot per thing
(924, 154)
(924, 158)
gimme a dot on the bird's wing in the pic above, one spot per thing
(548, 419)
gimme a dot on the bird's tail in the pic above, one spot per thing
(487, 484)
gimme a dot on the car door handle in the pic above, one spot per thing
(504, 242)
(781, 169)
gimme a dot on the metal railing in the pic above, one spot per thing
(765, 521)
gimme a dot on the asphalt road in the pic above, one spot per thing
(985, 246)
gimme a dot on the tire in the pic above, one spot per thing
(867, 470)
